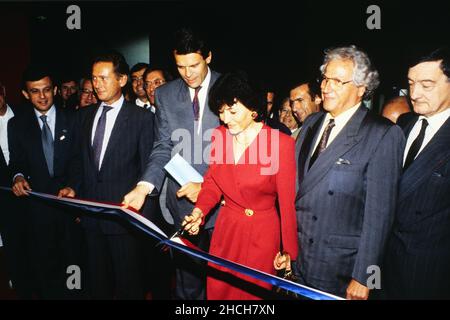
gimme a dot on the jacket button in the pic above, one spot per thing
(314, 218)
(249, 212)
(330, 192)
(311, 241)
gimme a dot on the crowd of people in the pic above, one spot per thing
(314, 183)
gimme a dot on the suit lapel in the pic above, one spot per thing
(344, 141)
(60, 139)
(304, 150)
(88, 140)
(435, 153)
(118, 131)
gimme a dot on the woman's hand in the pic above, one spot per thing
(191, 223)
(282, 261)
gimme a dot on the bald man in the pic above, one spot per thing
(395, 107)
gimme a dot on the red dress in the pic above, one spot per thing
(247, 230)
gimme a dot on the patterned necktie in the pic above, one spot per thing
(99, 135)
(47, 144)
(322, 143)
(416, 145)
(196, 104)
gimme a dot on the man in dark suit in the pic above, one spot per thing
(417, 261)
(13, 223)
(349, 162)
(40, 142)
(115, 140)
(184, 122)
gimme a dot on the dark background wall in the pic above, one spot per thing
(274, 41)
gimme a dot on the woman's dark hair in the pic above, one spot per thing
(234, 86)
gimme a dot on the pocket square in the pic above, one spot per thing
(62, 138)
(343, 161)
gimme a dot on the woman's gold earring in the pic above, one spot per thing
(254, 114)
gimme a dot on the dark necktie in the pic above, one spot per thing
(98, 137)
(322, 143)
(196, 104)
(47, 144)
(415, 146)
(146, 106)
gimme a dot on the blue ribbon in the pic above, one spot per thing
(149, 228)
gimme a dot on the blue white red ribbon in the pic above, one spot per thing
(152, 230)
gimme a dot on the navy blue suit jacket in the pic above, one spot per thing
(417, 263)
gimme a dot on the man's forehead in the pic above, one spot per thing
(155, 74)
(428, 70)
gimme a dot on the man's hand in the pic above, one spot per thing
(20, 186)
(190, 190)
(356, 291)
(282, 261)
(66, 192)
(136, 197)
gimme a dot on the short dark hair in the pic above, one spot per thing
(189, 41)
(313, 86)
(442, 53)
(117, 59)
(166, 74)
(138, 66)
(35, 72)
(237, 86)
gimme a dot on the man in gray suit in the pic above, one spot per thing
(349, 162)
(417, 262)
(184, 124)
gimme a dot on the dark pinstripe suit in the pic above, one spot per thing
(346, 201)
(417, 263)
(113, 251)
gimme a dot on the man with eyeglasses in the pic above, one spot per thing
(137, 84)
(87, 94)
(417, 262)
(349, 163)
(154, 78)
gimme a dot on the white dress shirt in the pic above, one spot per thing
(435, 122)
(111, 117)
(202, 95)
(339, 123)
(4, 132)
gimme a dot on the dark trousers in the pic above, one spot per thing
(191, 272)
(114, 266)
(15, 230)
(56, 246)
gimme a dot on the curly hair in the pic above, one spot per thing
(364, 74)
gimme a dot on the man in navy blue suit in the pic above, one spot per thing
(417, 262)
(349, 163)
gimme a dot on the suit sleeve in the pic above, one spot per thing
(382, 177)
(161, 153)
(17, 156)
(211, 194)
(146, 137)
(285, 180)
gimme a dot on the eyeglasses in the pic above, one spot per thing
(156, 83)
(87, 92)
(335, 83)
(137, 79)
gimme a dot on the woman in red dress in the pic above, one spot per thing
(252, 166)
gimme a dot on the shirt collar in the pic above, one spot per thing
(344, 117)
(51, 113)
(141, 103)
(8, 114)
(116, 105)
(437, 120)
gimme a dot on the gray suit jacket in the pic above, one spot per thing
(346, 201)
(418, 257)
(175, 132)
